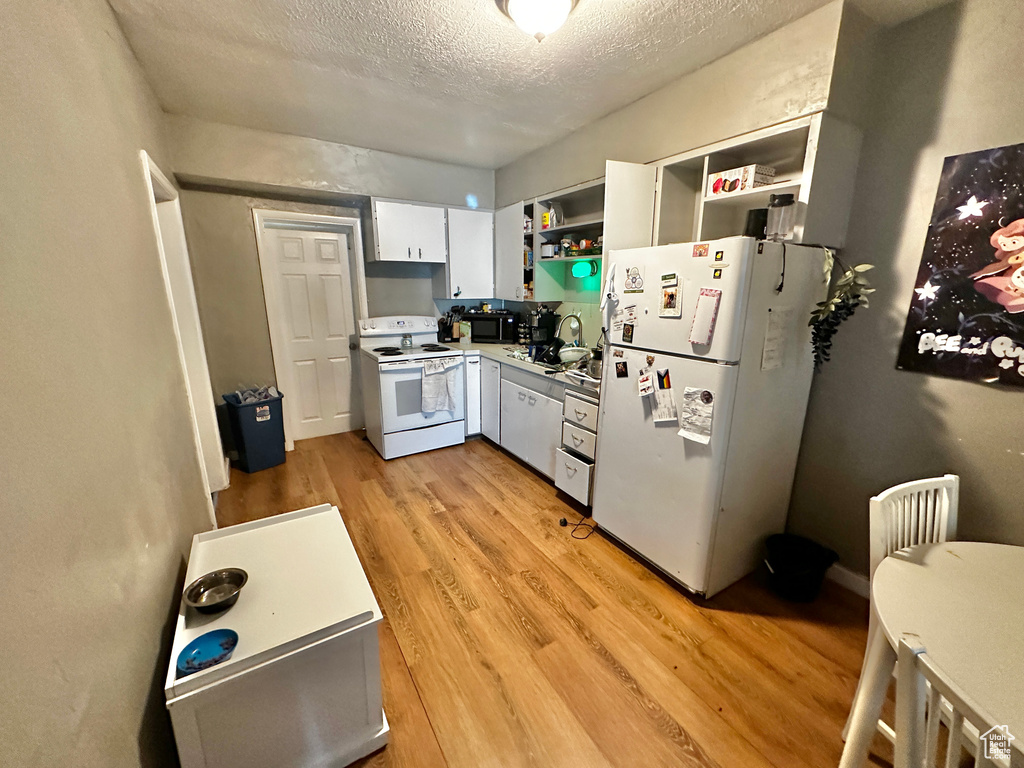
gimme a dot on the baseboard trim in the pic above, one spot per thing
(854, 582)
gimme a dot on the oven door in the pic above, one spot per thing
(401, 396)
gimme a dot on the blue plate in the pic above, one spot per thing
(206, 651)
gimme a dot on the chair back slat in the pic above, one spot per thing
(918, 512)
(921, 687)
(956, 735)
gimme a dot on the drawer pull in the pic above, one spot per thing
(570, 468)
(533, 400)
(580, 414)
(522, 395)
(577, 441)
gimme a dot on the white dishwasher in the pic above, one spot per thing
(302, 687)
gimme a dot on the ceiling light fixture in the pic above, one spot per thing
(538, 18)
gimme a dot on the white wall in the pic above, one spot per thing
(945, 84)
(101, 485)
(782, 76)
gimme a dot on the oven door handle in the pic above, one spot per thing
(393, 367)
(411, 365)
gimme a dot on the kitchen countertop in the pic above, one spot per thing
(499, 353)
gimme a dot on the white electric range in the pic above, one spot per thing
(393, 350)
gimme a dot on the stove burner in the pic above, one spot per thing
(434, 348)
(391, 350)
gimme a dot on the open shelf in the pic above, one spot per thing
(581, 224)
(757, 197)
(687, 213)
(556, 259)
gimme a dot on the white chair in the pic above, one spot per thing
(918, 512)
(924, 697)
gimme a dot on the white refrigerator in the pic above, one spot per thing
(695, 464)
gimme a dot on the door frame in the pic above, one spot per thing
(161, 192)
(305, 222)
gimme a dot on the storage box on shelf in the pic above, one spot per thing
(814, 158)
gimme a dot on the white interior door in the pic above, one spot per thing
(308, 289)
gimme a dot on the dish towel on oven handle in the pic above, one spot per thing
(440, 378)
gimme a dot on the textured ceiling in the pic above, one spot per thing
(451, 80)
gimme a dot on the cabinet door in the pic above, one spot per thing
(395, 227)
(473, 393)
(515, 418)
(628, 205)
(431, 237)
(545, 432)
(508, 253)
(490, 400)
(470, 254)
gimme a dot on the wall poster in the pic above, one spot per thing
(966, 316)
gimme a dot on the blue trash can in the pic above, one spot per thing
(258, 429)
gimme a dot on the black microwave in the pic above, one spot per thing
(491, 327)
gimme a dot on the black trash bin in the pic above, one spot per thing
(797, 566)
(258, 429)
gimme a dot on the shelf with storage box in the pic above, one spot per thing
(814, 158)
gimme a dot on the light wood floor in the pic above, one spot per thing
(508, 643)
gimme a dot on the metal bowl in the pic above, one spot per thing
(216, 591)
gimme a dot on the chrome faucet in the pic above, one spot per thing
(579, 322)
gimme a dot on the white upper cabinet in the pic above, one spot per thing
(470, 273)
(409, 232)
(629, 205)
(508, 253)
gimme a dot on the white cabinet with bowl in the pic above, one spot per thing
(302, 686)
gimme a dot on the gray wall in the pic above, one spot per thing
(278, 167)
(945, 83)
(269, 163)
(229, 288)
(782, 76)
(101, 489)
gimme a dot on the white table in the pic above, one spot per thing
(966, 602)
(303, 686)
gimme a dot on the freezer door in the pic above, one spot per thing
(641, 312)
(654, 490)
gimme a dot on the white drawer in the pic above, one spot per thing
(573, 475)
(580, 440)
(580, 412)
